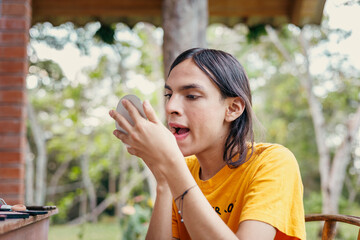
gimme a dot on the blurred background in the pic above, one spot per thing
(306, 93)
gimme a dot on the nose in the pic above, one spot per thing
(173, 106)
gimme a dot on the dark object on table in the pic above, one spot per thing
(33, 212)
(2, 217)
(13, 215)
(45, 208)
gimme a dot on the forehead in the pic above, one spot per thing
(187, 72)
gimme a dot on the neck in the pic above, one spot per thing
(211, 160)
(210, 164)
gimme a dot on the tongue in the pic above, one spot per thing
(182, 131)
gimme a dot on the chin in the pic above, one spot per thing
(187, 155)
(186, 151)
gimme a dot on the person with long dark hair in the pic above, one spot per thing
(228, 186)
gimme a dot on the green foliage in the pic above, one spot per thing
(313, 203)
(98, 72)
(63, 204)
(67, 33)
(52, 69)
(106, 33)
(255, 32)
(73, 112)
(135, 225)
(41, 33)
(352, 2)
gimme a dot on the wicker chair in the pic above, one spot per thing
(329, 229)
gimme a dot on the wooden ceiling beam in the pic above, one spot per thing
(295, 11)
(96, 7)
(298, 12)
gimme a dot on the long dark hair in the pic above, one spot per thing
(228, 74)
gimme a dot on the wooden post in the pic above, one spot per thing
(15, 21)
(329, 230)
(184, 24)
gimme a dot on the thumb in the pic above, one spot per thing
(149, 112)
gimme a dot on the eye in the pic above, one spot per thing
(192, 97)
(167, 96)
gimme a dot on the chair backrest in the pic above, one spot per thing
(329, 229)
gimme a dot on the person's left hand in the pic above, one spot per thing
(147, 139)
(18, 207)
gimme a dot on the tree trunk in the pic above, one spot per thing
(90, 189)
(332, 173)
(121, 197)
(60, 171)
(320, 134)
(83, 205)
(71, 187)
(184, 24)
(41, 159)
(29, 176)
(123, 167)
(342, 159)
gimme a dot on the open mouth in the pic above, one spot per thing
(178, 130)
(181, 131)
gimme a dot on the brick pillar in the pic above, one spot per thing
(15, 18)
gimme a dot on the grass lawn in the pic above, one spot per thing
(109, 230)
(345, 231)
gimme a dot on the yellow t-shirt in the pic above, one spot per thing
(267, 188)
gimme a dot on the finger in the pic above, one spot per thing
(123, 123)
(149, 112)
(123, 137)
(132, 110)
(131, 150)
(120, 135)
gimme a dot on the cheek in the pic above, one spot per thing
(206, 117)
(199, 115)
(208, 121)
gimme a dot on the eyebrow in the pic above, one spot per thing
(186, 87)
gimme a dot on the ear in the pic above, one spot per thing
(235, 107)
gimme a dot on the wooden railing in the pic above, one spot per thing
(31, 228)
(329, 229)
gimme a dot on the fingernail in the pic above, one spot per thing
(124, 102)
(147, 103)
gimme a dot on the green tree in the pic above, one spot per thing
(87, 168)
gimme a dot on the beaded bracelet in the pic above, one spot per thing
(181, 203)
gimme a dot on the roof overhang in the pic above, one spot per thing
(130, 12)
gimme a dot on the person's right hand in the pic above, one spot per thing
(148, 139)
